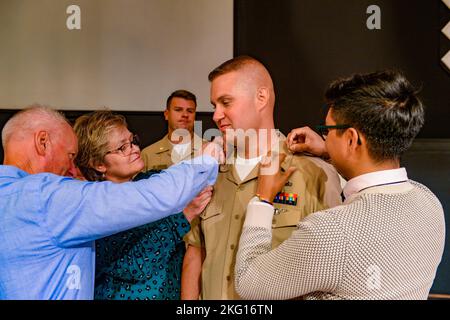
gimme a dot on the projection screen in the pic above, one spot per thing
(128, 55)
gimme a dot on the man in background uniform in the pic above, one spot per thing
(180, 117)
(243, 97)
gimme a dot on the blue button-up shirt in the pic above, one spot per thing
(48, 224)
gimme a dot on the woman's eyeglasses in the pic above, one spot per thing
(126, 148)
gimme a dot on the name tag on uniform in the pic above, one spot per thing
(286, 198)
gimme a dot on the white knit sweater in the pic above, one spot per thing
(385, 243)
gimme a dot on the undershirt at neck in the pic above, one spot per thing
(181, 149)
(245, 166)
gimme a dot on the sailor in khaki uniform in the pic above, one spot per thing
(180, 114)
(313, 186)
(215, 238)
(161, 154)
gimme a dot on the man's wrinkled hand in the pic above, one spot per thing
(198, 204)
(215, 149)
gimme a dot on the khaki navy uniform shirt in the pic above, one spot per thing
(316, 184)
(158, 156)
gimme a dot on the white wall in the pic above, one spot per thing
(128, 55)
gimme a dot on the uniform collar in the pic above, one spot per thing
(166, 145)
(233, 176)
(373, 179)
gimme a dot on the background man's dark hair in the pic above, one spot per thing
(181, 94)
(383, 106)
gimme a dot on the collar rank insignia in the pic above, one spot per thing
(286, 198)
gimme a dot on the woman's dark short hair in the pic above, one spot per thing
(383, 106)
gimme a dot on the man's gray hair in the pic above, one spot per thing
(28, 120)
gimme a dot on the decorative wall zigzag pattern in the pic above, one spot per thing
(446, 30)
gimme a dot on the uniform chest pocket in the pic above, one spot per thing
(286, 216)
(284, 223)
(213, 209)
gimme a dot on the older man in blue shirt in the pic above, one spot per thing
(48, 222)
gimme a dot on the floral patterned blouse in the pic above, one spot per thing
(142, 263)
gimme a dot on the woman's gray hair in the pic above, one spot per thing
(93, 132)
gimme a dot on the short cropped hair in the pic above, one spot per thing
(231, 65)
(383, 106)
(92, 131)
(34, 117)
(181, 94)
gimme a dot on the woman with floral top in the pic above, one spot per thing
(144, 262)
